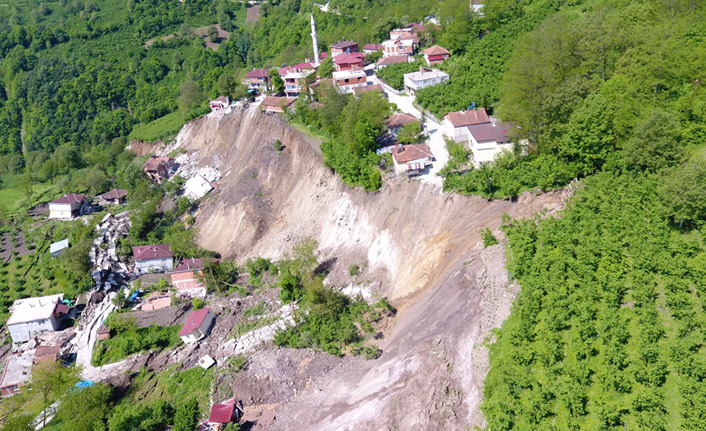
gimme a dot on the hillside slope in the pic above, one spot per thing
(419, 247)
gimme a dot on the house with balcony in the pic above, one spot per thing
(400, 45)
(349, 72)
(415, 81)
(153, 258)
(411, 159)
(219, 103)
(294, 78)
(435, 55)
(257, 79)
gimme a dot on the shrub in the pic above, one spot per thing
(353, 270)
(198, 303)
(488, 237)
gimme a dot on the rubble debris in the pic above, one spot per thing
(109, 272)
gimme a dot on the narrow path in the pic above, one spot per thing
(436, 141)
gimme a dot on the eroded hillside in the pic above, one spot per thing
(418, 246)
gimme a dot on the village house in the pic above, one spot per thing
(46, 354)
(257, 79)
(30, 316)
(412, 159)
(397, 121)
(435, 55)
(159, 168)
(67, 206)
(487, 140)
(56, 248)
(393, 59)
(219, 103)
(225, 413)
(17, 372)
(456, 124)
(276, 103)
(402, 41)
(372, 47)
(153, 258)
(187, 276)
(197, 325)
(294, 78)
(343, 47)
(113, 197)
(349, 72)
(415, 81)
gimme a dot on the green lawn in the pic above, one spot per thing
(10, 199)
(163, 127)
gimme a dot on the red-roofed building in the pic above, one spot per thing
(257, 79)
(412, 159)
(372, 47)
(197, 325)
(349, 72)
(435, 55)
(219, 103)
(153, 258)
(294, 77)
(487, 140)
(352, 61)
(343, 46)
(276, 103)
(398, 120)
(393, 59)
(186, 277)
(67, 206)
(225, 413)
(159, 168)
(113, 197)
(456, 123)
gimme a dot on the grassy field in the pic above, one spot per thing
(161, 128)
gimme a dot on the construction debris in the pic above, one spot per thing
(109, 271)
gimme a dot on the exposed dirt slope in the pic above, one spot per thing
(417, 245)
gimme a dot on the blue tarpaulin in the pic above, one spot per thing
(134, 296)
(84, 384)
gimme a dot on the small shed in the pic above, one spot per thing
(225, 413)
(113, 197)
(56, 248)
(197, 325)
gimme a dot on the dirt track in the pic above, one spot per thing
(418, 244)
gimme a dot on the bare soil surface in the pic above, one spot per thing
(253, 13)
(415, 244)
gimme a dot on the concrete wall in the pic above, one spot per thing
(61, 211)
(458, 134)
(22, 332)
(154, 265)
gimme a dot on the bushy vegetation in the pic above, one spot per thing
(393, 75)
(127, 339)
(351, 126)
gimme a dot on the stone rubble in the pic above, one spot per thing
(109, 272)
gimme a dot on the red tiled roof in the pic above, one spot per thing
(222, 413)
(372, 47)
(258, 73)
(487, 132)
(193, 264)
(400, 119)
(343, 44)
(156, 251)
(412, 152)
(114, 194)
(436, 50)
(467, 118)
(223, 99)
(393, 59)
(195, 320)
(435, 57)
(351, 58)
(46, 352)
(302, 66)
(323, 55)
(69, 198)
(153, 163)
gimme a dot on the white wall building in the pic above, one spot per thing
(488, 140)
(30, 316)
(67, 206)
(153, 258)
(456, 124)
(424, 78)
(197, 325)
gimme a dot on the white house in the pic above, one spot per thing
(67, 206)
(487, 140)
(30, 316)
(456, 123)
(424, 78)
(219, 103)
(197, 325)
(153, 258)
(411, 159)
(56, 248)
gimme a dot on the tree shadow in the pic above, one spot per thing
(325, 267)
